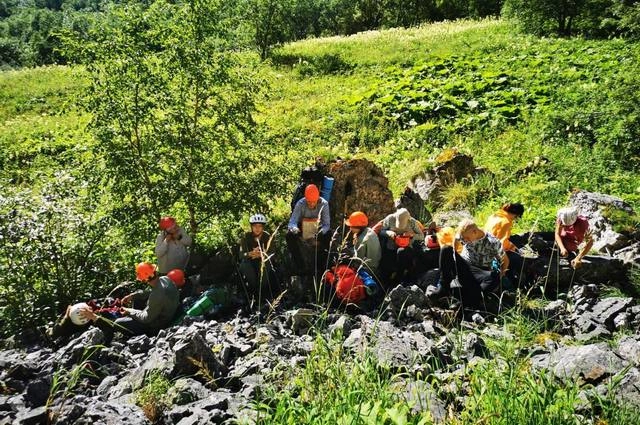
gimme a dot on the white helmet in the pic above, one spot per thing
(75, 316)
(258, 219)
(568, 215)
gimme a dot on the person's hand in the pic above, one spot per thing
(88, 314)
(409, 234)
(66, 313)
(564, 252)
(125, 311)
(126, 299)
(254, 254)
(391, 234)
(294, 230)
(576, 263)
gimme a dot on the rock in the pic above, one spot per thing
(186, 390)
(77, 349)
(33, 417)
(422, 398)
(591, 363)
(629, 254)
(474, 346)
(629, 349)
(37, 392)
(192, 355)
(402, 297)
(301, 319)
(593, 206)
(478, 319)
(627, 389)
(556, 308)
(359, 185)
(431, 184)
(340, 326)
(606, 310)
(106, 385)
(594, 270)
(139, 344)
(415, 205)
(451, 218)
(622, 321)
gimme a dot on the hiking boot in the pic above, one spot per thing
(437, 290)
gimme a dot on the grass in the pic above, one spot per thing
(340, 386)
(151, 398)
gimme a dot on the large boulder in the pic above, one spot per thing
(359, 185)
(430, 185)
(597, 208)
(587, 363)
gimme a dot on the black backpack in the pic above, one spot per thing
(310, 175)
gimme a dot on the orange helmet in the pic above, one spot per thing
(177, 276)
(358, 219)
(167, 223)
(145, 271)
(311, 193)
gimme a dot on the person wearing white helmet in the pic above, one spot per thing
(572, 230)
(257, 269)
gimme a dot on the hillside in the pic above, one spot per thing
(541, 116)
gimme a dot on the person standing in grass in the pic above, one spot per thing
(571, 231)
(256, 260)
(171, 246)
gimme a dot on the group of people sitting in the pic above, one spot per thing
(355, 263)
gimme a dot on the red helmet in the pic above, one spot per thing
(311, 193)
(177, 276)
(358, 219)
(145, 271)
(167, 223)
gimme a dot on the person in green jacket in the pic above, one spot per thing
(162, 305)
(363, 243)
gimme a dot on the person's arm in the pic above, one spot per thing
(161, 245)
(151, 311)
(378, 227)
(418, 230)
(577, 262)
(183, 237)
(294, 220)
(325, 218)
(374, 251)
(563, 250)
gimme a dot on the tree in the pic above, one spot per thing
(172, 114)
(543, 16)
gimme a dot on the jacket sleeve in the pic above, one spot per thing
(296, 214)
(151, 311)
(161, 246)
(418, 229)
(374, 251)
(325, 218)
(185, 239)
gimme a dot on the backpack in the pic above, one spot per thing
(310, 175)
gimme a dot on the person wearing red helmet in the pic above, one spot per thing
(162, 305)
(171, 246)
(309, 225)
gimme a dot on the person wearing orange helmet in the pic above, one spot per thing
(362, 242)
(309, 224)
(171, 246)
(162, 305)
